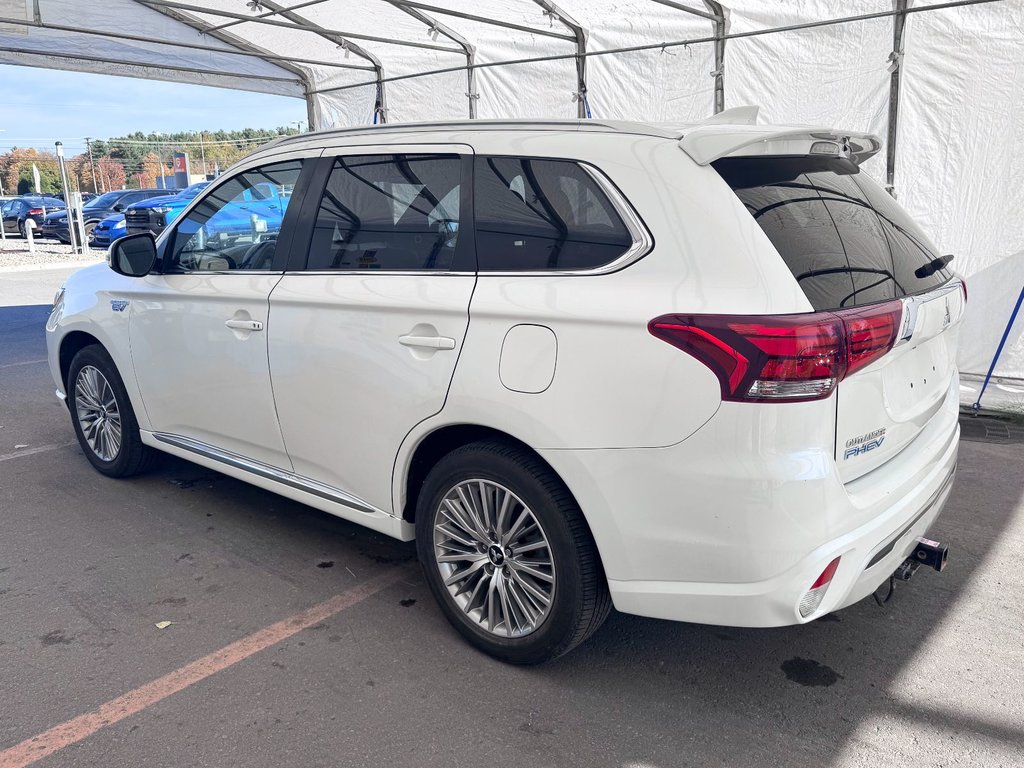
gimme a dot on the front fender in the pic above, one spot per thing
(97, 302)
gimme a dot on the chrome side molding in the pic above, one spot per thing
(292, 480)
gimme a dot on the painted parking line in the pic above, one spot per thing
(31, 451)
(24, 362)
(85, 725)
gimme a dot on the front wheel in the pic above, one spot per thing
(102, 414)
(508, 555)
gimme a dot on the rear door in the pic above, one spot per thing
(852, 248)
(367, 325)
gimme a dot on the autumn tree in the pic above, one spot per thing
(153, 168)
(110, 174)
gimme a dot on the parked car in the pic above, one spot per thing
(156, 213)
(96, 210)
(107, 231)
(703, 373)
(19, 210)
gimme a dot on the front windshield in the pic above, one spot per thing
(103, 201)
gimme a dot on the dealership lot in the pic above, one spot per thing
(89, 566)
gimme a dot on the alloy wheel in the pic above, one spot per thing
(494, 558)
(98, 414)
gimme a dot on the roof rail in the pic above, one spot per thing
(580, 125)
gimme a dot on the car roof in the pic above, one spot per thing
(732, 131)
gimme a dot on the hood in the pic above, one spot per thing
(160, 202)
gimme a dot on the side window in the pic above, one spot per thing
(237, 224)
(535, 214)
(389, 212)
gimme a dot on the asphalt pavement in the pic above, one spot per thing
(298, 639)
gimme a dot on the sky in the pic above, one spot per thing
(40, 106)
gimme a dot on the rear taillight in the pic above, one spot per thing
(812, 597)
(963, 286)
(783, 358)
(870, 332)
(34, 211)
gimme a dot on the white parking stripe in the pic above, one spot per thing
(23, 362)
(31, 451)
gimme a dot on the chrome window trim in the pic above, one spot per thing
(292, 480)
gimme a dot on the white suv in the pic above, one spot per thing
(703, 373)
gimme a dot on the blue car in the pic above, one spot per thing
(107, 231)
(155, 214)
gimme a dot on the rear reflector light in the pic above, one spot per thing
(812, 598)
(783, 358)
(963, 286)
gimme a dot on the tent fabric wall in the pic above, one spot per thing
(962, 74)
(960, 167)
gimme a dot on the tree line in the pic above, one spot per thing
(134, 161)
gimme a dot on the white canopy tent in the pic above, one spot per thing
(940, 83)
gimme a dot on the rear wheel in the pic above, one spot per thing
(103, 417)
(508, 555)
(21, 227)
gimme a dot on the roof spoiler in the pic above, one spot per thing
(732, 133)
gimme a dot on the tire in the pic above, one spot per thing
(21, 227)
(96, 398)
(89, 227)
(521, 629)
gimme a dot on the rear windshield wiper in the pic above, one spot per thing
(933, 266)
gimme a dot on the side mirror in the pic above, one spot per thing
(134, 255)
(118, 208)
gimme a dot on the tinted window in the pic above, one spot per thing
(543, 214)
(389, 212)
(104, 201)
(236, 226)
(845, 240)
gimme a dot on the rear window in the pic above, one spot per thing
(842, 236)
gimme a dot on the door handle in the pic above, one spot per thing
(244, 325)
(427, 342)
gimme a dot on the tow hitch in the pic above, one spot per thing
(926, 552)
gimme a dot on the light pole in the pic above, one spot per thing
(72, 233)
(298, 124)
(92, 166)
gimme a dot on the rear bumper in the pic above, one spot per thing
(868, 556)
(734, 524)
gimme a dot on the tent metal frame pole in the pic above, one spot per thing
(380, 106)
(233, 40)
(144, 65)
(240, 20)
(579, 36)
(468, 49)
(674, 43)
(238, 43)
(720, 19)
(899, 24)
(297, 23)
(484, 20)
(709, 14)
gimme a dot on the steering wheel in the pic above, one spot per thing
(258, 255)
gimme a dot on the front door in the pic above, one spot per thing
(199, 328)
(366, 332)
